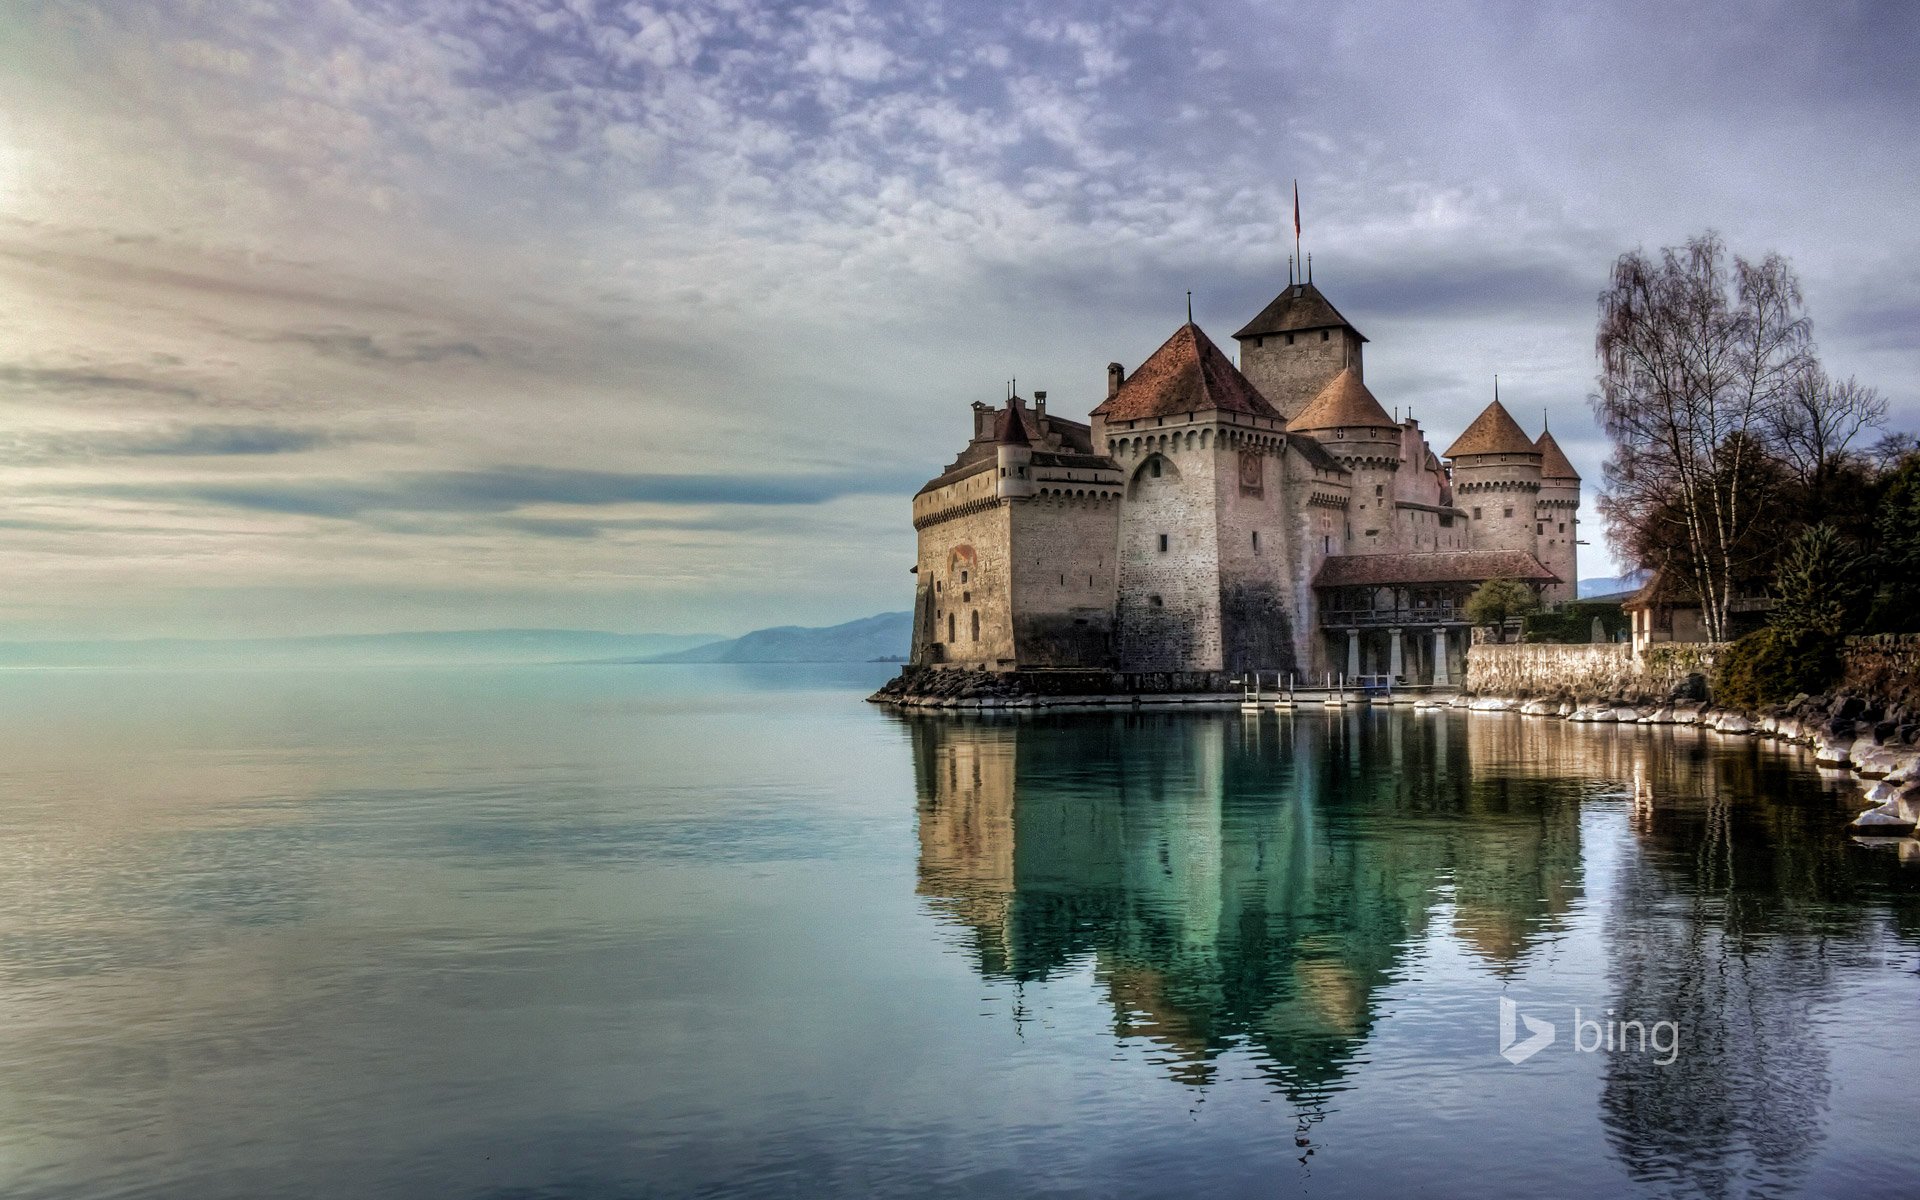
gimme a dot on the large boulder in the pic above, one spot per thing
(1733, 722)
(1830, 751)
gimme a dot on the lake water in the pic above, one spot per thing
(638, 931)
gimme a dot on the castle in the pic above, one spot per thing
(1209, 518)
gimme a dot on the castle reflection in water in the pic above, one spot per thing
(1252, 883)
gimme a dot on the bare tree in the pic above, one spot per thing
(1887, 453)
(1818, 419)
(1698, 355)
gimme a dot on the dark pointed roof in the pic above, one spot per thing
(1188, 373)
(1494, 431)
(1344, 403)
(1553, 460)
(1298, 308)
(1013, 425)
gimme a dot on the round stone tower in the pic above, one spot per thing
(1346, 419)
(1496, 478)
(1555, 520)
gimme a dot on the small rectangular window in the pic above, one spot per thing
(1476, 514)
(1508, 512)
(1163, 542)
(1379, 489)
(1326, 334)
(1154, 600)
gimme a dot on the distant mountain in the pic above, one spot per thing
(886, 636)
(1607, 585)
(472, 646)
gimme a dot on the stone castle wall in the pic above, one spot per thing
(965, 564)
(1256, 601)
(1168, 600)
(1063, 579)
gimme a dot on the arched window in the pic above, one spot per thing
(976, 624)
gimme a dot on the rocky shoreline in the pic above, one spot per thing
(1879, 745)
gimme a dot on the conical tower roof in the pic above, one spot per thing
(1494, 431)
(1188, 373)
(1344, 403)
(1013, 425)
(1553, 461)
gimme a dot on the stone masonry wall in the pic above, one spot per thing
(1257, 610)
(1590, 671)
(978, 544)
(1168, 601)
(1063, 580)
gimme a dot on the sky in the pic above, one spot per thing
(336, 316)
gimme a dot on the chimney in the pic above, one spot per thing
(1040, 405)
(1116, 375)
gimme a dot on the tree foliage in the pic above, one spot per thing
(1823, 587)
(1498, 601)
(1896, 605)
(1772, 666)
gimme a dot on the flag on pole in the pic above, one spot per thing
(1296, 210)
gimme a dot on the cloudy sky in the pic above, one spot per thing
(358, 315)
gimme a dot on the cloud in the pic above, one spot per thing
(69, 380)
(502, 490)
(182, 441)
(405, 349)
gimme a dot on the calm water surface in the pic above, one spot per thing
(639, 931)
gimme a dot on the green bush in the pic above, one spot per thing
(1572, 623)
(1773, 666)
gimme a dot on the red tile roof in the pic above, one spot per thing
(1553, 461)
(1344, 403)
(1442, 566)
(1186, 374)
(1494, 431)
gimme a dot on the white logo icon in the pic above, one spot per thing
(1541, 1031)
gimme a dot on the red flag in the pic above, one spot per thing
(1296, 210)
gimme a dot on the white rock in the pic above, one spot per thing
(1882, 793)
(1832, 752)
(1903, 766)
(1885, 816)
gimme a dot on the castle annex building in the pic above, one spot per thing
(1269, 517)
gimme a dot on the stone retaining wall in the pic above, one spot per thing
(1602, 671)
